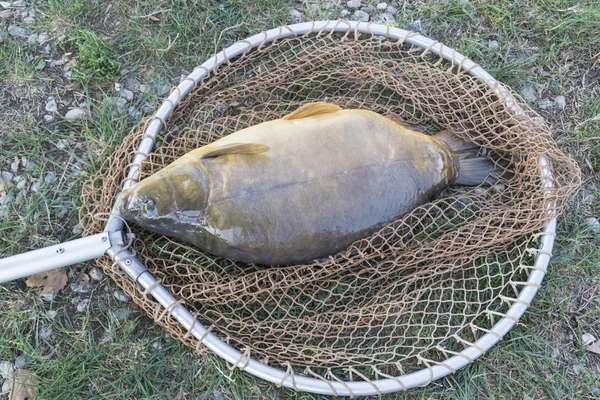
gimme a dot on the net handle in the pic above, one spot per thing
(137, 271)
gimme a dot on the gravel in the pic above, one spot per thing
(392, 10)
(122, 314)
(361, 16)
(50, 177)
(6, 369)
(49, 296)
(126, 94)
(61, 144)
(416, 26)
(132, 84)
(51, 314)
(295, 14)
(593, 224)
(96, 274)
(51, 106)
(45, 332)
(81, 287)
(529, 93)
(43, 38)
(28, 20)
(388, 18)
(23, 361)
(560, 102)
(6, 176)
(3, 36)
(48, 118)
(382, 6)
(545, 104)
(82, 306)
(353, 4)
(75, 114)
(493, 45)
(121, 296)
(6, 386)
(217, 395)
(17, 31)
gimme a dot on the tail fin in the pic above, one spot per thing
(473, 169)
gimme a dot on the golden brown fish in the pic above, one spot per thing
(301, 187)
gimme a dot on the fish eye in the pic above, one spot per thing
(149, 208)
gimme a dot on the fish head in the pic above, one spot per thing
(171, 201)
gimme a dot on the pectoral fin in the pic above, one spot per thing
(236, 148)
(312, 109)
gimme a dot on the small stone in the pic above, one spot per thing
(161, 88)
(115, 102)
(77, 230)
(361, 16)
(545, 104)
(218, 395)
(593, 224)
(367, 9)
(157, 344)
(127, 94)
(81, 287)
(51, 106)
(462, 2)
(17, 31)
(45, 332)
(33, 39)
(5, 14)
(5, 4)
(353, 4)
(49, 296)
(388, 18)
(596, 391)
(295, 14)
(132, 84)
(43, 38)
(63, 211)
(382, 6)
(81, 307)
(76, 114)
(68, 74)
(133, 112)
(96, 274)
(51, 314)
(50, 177)
(6, 369)
(344, 13)
(6, 176)
(48, 118)
(416, 26)
(121, 296)
(122, 314)
(560, 102)
(6, 387)
(493, 45)
(147, 109)
(529, 93)
(576, 369)
(392, 10)
(14, 167)
(61, 144)
(28, 20)
(23, 361)
(3, 36)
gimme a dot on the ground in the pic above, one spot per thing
(63, 67)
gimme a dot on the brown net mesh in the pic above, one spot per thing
(426, 285)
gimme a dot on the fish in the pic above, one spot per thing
(302, 187)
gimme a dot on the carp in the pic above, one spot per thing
(302, 187)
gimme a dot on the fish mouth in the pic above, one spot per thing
(125, 207)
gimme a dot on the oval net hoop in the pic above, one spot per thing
(410, 296)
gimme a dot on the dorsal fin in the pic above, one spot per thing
(312, 109)
(236, 148)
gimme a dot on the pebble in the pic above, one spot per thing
(3, 36)
(361, 16)
(116, 102)
(77, 230)
(382, 6)
(560, 102)
(127, 94)
(6, 369)
(593, 224)
(96, 274)
(68, 74)
(157, 345)
(51, 314)
(17, 31)
(388, 18)
(122, 314)
(121, 296)
(81, 307)
(81, 287)
(353, 4)
(596, 391)
(6, 176)
(63, 211)
(48, 118)
(75, 114)
(344, 13)
(545, 104)
(493, 45)
(28, 20)
(391, 10)
(416, 26)
(45, 332)
(132, 84)
(367, 9)
(33, 39)
(576, 369)
(462, 2)
(14, 167)
(6, 386)
(295, 14)
(23, 361)
(147, 109)
(529, 93)
(133, 112)
(61, 144)
(43, 38)
(218, 395)
(5, 14)
(50, 177)
(161, 88)
(51, 106)
(49, 296)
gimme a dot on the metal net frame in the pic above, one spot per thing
(419, 299)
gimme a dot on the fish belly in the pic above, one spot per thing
(326, 182)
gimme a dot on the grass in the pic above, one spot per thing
(550, 44)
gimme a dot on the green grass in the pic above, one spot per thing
(547, 43)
